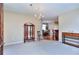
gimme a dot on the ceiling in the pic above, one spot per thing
(46, 10)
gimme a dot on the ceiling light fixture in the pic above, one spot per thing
(30, 4)
(42, 16)
(39, 11)
(35, 15)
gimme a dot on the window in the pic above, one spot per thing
(45, 26)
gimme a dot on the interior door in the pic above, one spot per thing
(25, 32)
(55, 35)
(29, 32)
(1, 28)
(33, 32)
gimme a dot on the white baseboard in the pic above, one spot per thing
(17, 42)
(6, 44)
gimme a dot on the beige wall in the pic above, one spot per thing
(14, 26)
(69, 22)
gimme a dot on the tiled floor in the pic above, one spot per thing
(43, 47)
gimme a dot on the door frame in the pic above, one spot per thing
(1, 28)
(32, 26)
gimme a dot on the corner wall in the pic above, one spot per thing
(14, 27)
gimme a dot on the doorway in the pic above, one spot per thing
(55, 30)
(29, 32)
(45, 31)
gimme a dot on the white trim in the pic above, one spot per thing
(17, 42)
(12, 43)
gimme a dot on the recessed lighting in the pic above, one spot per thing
(42, 16)
(35, 15)
(36, 8)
